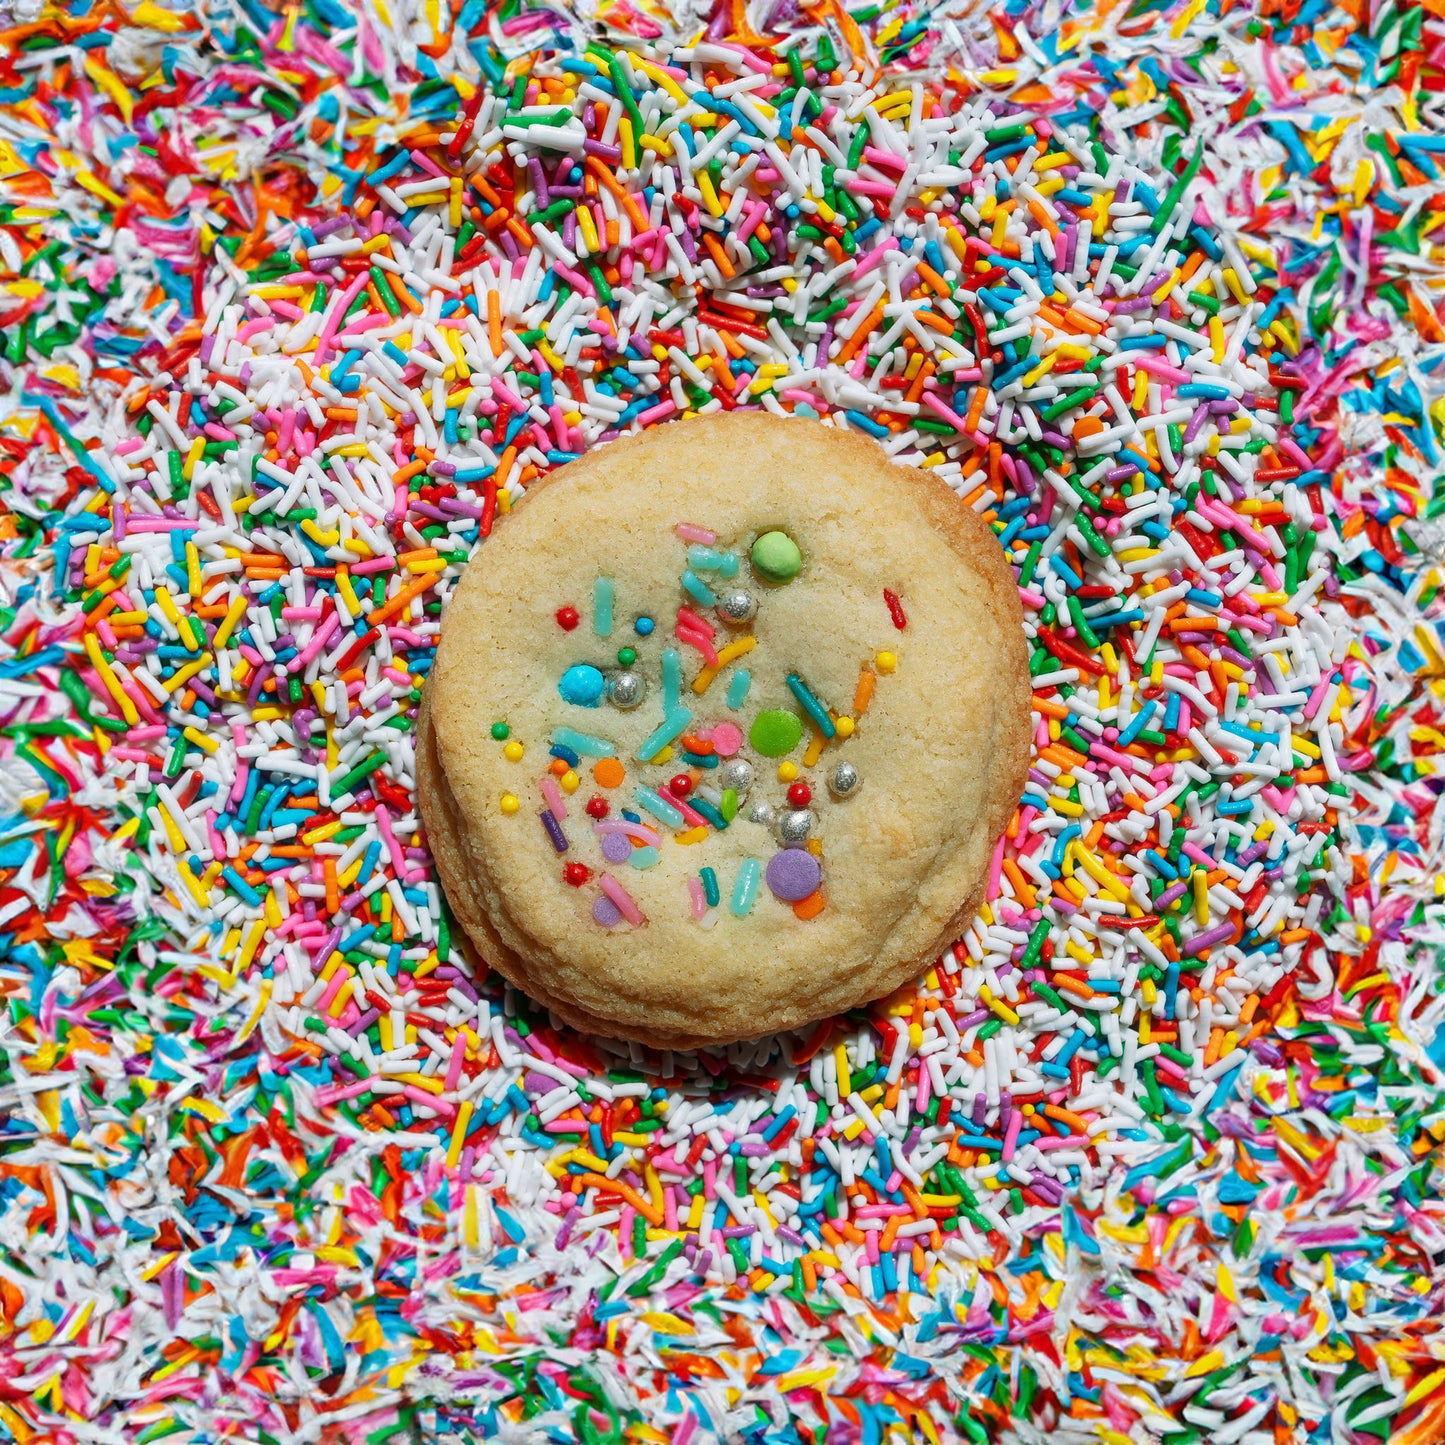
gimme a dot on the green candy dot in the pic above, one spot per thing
(501, 731)
(776, 732)
(627, 656)
(776, 557)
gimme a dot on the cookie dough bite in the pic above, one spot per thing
(721, 737)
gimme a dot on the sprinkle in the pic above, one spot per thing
(672, 728)
(584, 744)
(554, 830)
(745, 890)
(602, 594)
(621, 899)
(810, 704)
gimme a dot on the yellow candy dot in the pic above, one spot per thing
(787, 772)
(886, 662)
(513, 752)
(510, 803)
(570, 781)
(845, 726)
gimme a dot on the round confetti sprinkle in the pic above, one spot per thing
(726, 741)
(793, 874)
(775, 731)
(776, 557)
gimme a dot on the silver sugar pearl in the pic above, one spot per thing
(793, 825)
(626, 690)
(844, 781)
(737, 774)
(737, 608)
(761, 812)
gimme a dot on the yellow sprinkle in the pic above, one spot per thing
(112, 683)
(886, 662)
(510, 803)
(788, 772)
(1201, 895)
(213, 1113)
(234, 613)
(459, 1133)
(513, 751)
(704, 679)
(184, 674)
(206, 745)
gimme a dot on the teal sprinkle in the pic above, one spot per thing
(660, 808)
(699, 589)
(709, 887)
(671, 680)
(745, 891)
(673, 724)
(811, 705)
(738, 688)
(644, 857)
(602, 595)
(704, 559)
(706, 809)
(584, 743)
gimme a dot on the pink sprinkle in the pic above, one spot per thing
(626, 905)
(1011, 1135)
(454, 1066)
(727, 738)
(697, 640)
(699, 898)
(640, 831)
(995, 868)
(555, 802)
(689, 619)
(691, 814)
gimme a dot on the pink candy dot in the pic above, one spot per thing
(726, 740)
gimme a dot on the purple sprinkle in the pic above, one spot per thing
(606, 912)
(554, 830)
(616, 848)
(793, 874)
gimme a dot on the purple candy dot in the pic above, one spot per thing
(606, 912)
(793, 874)
(616, 848)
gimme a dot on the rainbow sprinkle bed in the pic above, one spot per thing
(295, 302)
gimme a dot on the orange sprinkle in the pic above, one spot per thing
(864, 692)
(608, 772)
(809, 907)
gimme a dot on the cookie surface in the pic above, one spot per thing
(720, 592)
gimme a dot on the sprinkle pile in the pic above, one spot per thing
(299, 303)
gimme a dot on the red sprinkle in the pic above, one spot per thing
(577, 874)
(895, 609)
(598, 807)
(567, 618)
(800, 795)
(680, 786)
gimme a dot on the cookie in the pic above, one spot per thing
(720, 741)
